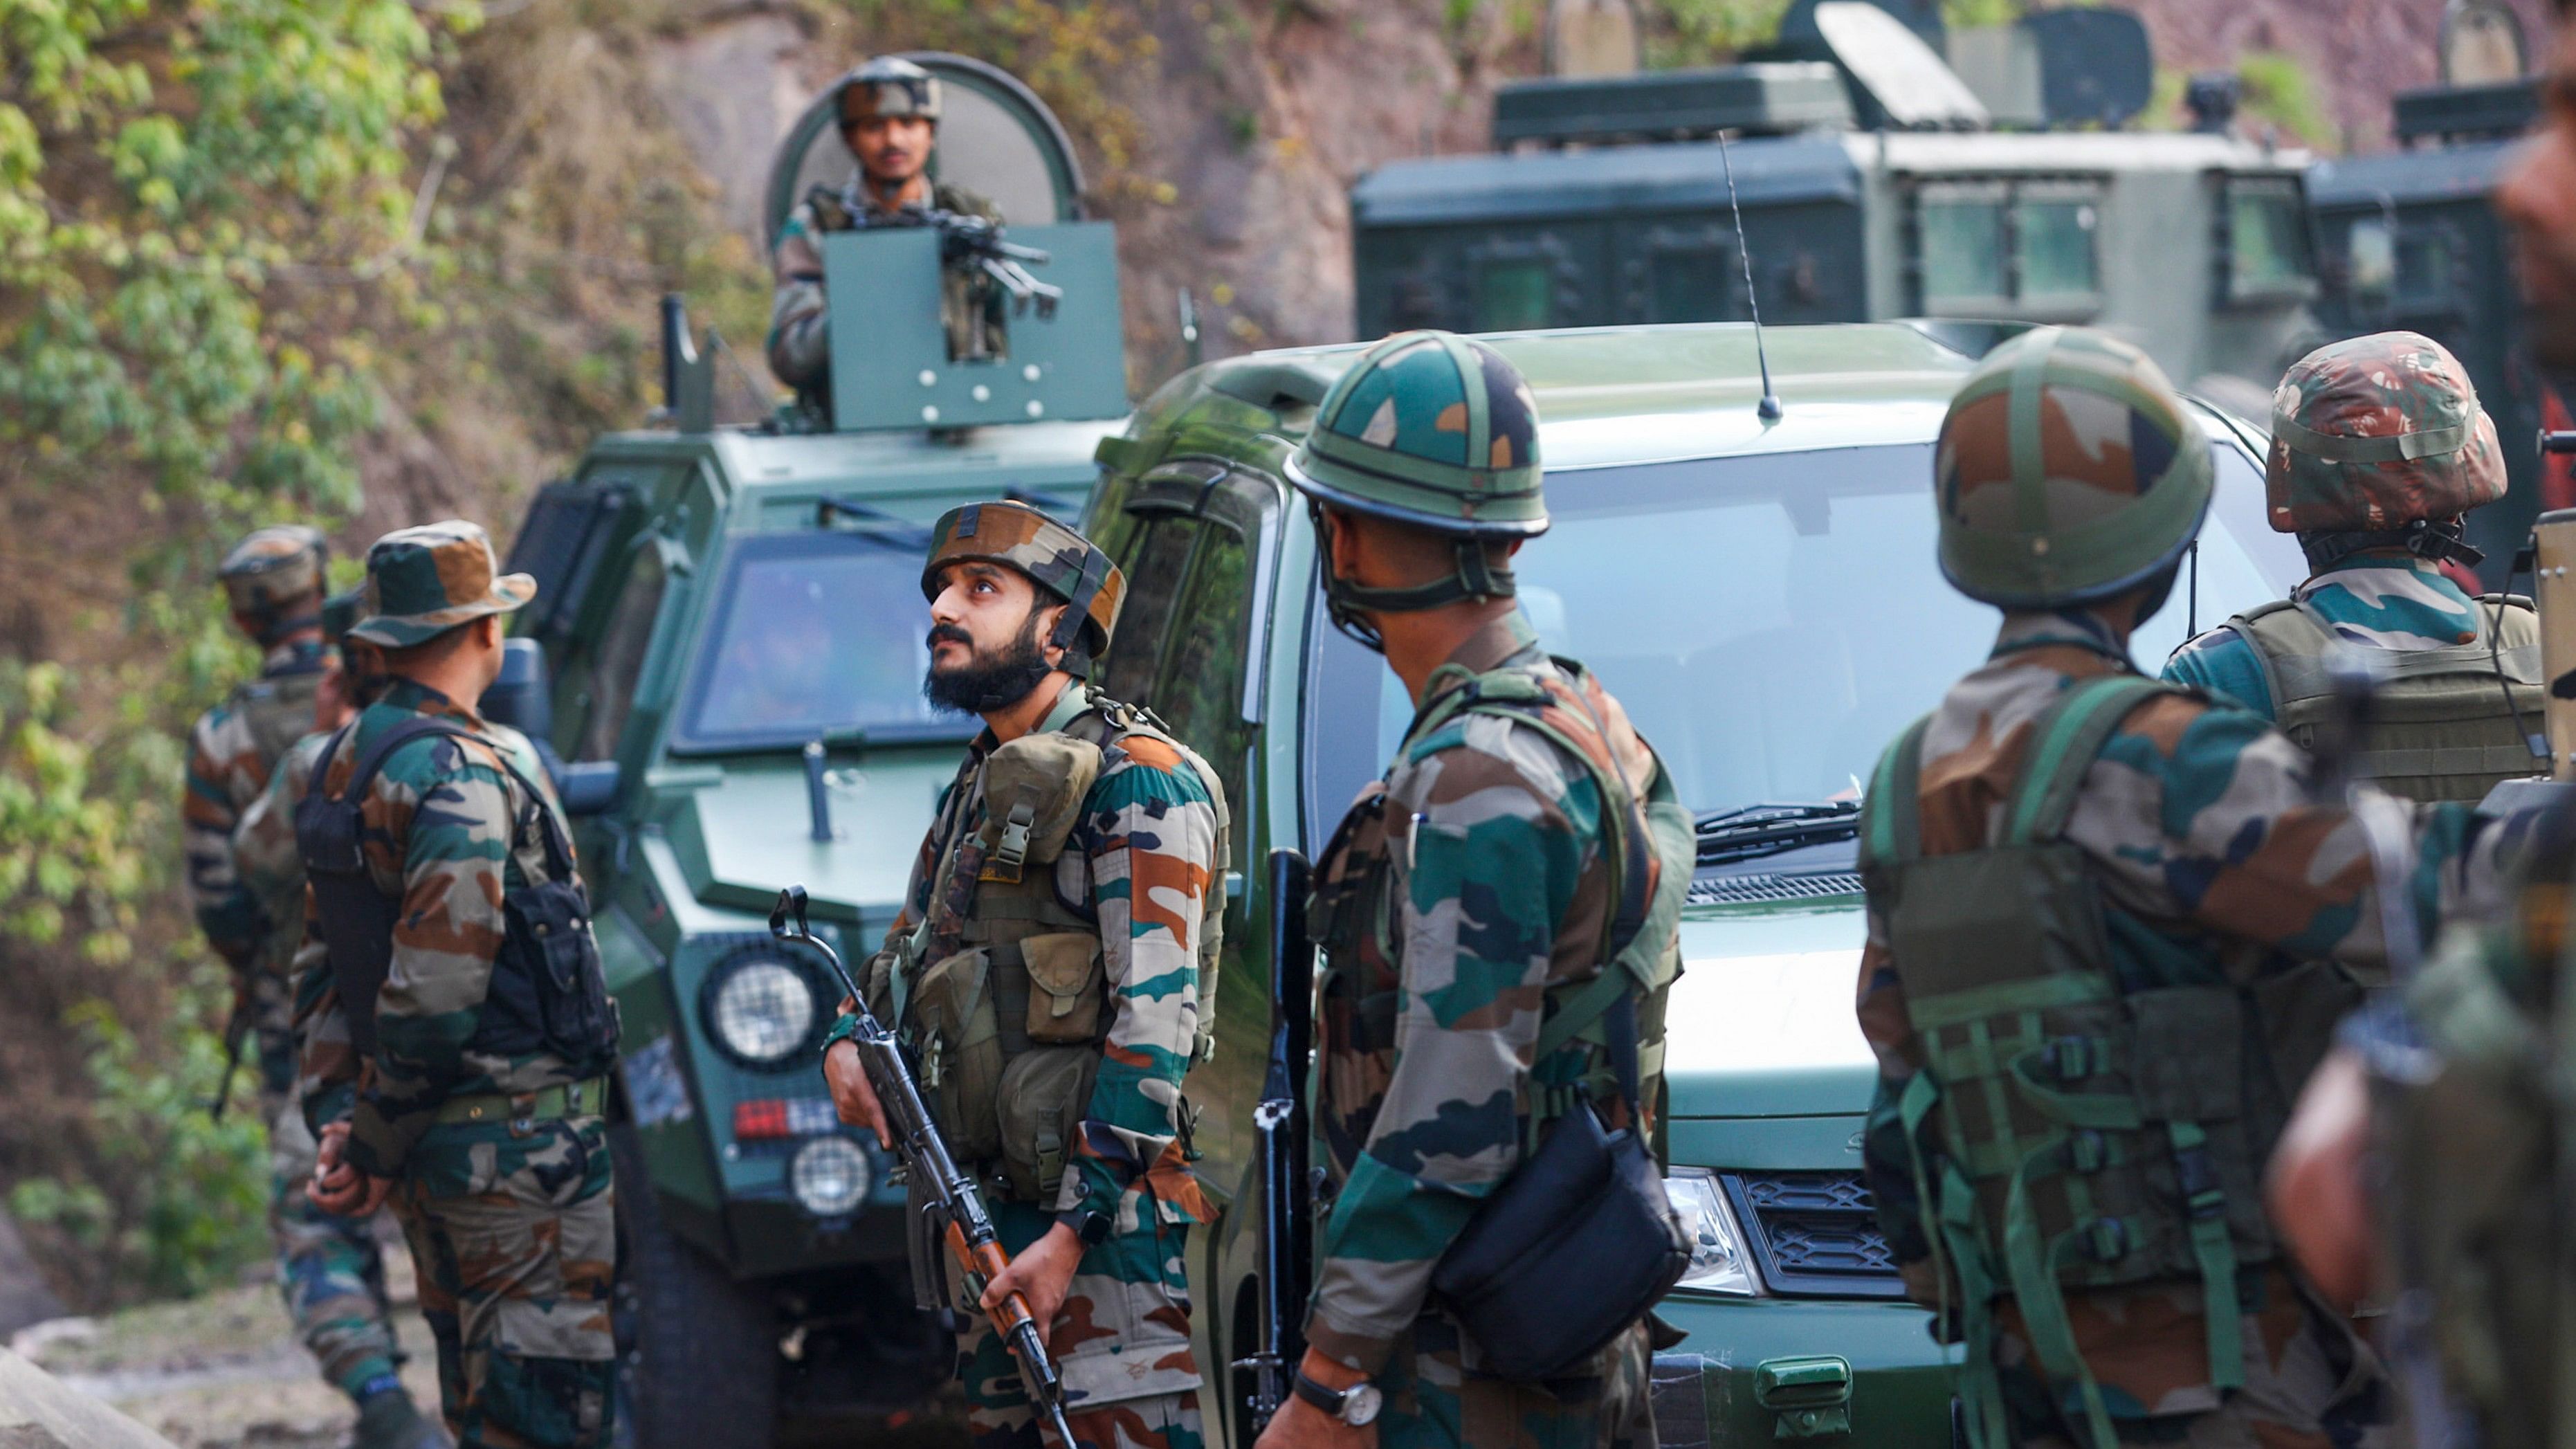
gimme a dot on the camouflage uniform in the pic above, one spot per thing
(800, 344)
(2378, 447)
(494, 1139)
(2214, 867)
(329, 1268)
(1136, 869)
(1465, 901)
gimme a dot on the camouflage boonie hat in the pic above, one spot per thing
(888, 86)
(2068, 472)
(1054, 557)
(1430, 429)
(273, 568)
(340, 611)
(2376, 432)
(422, 582)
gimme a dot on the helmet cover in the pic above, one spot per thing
(2376, 432)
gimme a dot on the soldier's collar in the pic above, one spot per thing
(1495, 644)
(419, 698)
(1069, 706)
(2041, 628)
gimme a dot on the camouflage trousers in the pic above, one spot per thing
(329, 1268)
(1121, 1341)
(2310, 1383)
(511, 1230)
(1434, 1400)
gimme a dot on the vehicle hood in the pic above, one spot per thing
(741, 829)
(1761, 1023)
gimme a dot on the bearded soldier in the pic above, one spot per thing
(2091, 898)
(330, 1268)
(1474, 910)
(459, 1036)
(889, 113)
(1052, 966)
(2378, 449)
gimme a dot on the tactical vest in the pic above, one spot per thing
(1353, 916)
(546, 994)
(278, 710)
(2446, 724)
(2474, 1115)
(2065, 1133)
(1009, 1027)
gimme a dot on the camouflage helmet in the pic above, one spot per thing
(1054, 557)
(888, 86)
(1430, 429)
(2377, 432)
(274, 569)
(2068, 472)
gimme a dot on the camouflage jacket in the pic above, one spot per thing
(2208, 845)
(230, 753)
(265, 858)
(800, 345)
(1493, 854)
(2383, 599)
(447, 831)
(1139, 863)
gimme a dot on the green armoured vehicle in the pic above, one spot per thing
(1764, 600)
(1875, 183)
(734, 623)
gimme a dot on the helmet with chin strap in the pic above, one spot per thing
(1052, 556)
(888, 86)
(1433, 431)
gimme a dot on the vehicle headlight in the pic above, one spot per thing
(1718, 1260)
(761, 1010)
(830, 1176)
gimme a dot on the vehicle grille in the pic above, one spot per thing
(1815, 1234)
(1727, 890)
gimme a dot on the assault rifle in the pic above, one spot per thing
(236, 1033)
(970, 244)
(926, 1161)
(1279, 1136)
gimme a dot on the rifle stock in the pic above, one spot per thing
(1280, 1143)
(971, 1236)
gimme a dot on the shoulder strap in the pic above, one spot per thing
(1891, 831)
(383, 746)
(559, 858)
(2071, 734)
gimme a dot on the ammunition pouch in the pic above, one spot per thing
(958, 1039)
(1045, 1093)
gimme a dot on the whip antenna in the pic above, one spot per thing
(1768, 410)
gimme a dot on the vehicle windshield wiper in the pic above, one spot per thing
(1750, 831)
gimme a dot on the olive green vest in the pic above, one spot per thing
(1009, 1028)
(2065, 1134)
(278, 710)
(2446, 724)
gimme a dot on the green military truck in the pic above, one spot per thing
(733, 620)
(1764, 600)
(1875, 183)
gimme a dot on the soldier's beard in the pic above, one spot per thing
(987, 681)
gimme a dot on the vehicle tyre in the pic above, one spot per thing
(697, 1352)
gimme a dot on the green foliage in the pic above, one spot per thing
(1703, 32)
(177, 1203)
(2278, 91)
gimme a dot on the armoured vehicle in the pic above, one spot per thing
(733, 620)
(2408, 238)
(1765, 601)
(1875, 183)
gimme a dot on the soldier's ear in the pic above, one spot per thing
(1044, 623)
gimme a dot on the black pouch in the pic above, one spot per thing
(547, 993)
(1587, 1208)
(357, 920)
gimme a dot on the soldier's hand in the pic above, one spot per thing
(1041, 1273)
(338, 1187)
(852, 1097)
(2317, 1189)
(1300, 1425)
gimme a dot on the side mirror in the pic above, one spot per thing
(522, 697)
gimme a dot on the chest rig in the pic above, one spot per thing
(1004, 990)
(2065, 1132)
(277, 709)
(1647, 842)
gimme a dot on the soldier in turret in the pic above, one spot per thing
(889, 111)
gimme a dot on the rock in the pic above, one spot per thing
(39, 1412)
(24, 1298)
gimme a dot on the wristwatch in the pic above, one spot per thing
(1092, 1228)
(1356, 1406)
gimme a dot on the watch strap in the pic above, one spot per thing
(1328, 1400)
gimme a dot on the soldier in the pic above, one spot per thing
(1056, 943)
(2090, 895)
(2429, 1156)
(456, 1029)
(890, 120)
(329, 1268)
(1466, 908)
(274, 581)
(2378, 449)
